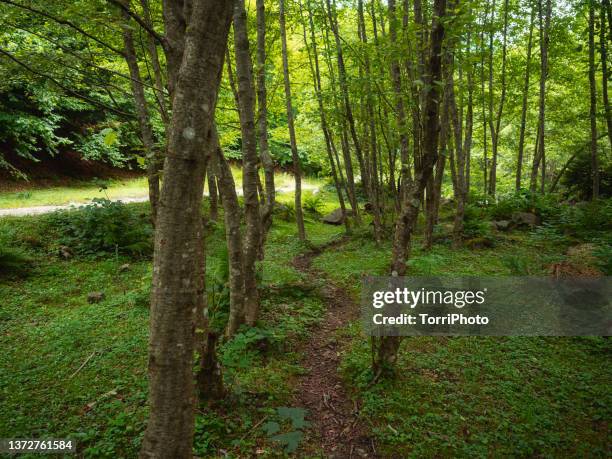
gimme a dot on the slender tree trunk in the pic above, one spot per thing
(178, 262)
(297, 170)
(386, 348)
(262, 124)
(144, 120)
(544, 21)
(313, 59)
(496, 128)
(371, 124)
(348, 111)
(400, 113)
(521, 146)
(157, 69)
(233, 236)
(246, 99)
(213, 196)
(603, 50)
(593, 104)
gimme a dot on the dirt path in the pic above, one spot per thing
(336, 428)
(36, 210)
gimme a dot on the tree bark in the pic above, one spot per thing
(593, 104)
(144, 119)
(544, 21)
(195, 62)
(262, 124)
(297, 170)
(603, 50)
(386, 348)
(246, 99)
(521, 146)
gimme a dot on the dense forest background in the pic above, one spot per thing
(68, 87)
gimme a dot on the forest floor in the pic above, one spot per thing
(71, 368)
(336, 427)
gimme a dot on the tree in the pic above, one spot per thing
(195, 47)
(297, 170)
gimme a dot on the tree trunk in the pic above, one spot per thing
(246, 99)
(496, 128)
(233, 236)
(144, 120)
(177, 263)
(386, 347)
(593, 104)
(313, 59)
(603, 50)
(521, 146)
(544, 21)
(262, 123)
(297, 170)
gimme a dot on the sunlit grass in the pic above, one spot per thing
(120, 188)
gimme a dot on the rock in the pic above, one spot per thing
(124, 268)
(334, 218)
(525, 219)
(503, 225)
(95, 297)
(65, 252)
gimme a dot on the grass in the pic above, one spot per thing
(116, 189)
(74, 369)
(469, 396)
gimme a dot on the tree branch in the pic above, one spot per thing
(64, 22)
(141, 22)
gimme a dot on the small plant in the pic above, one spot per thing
(313, 204)
(285, 212)
(103, 227)
(517, 265)
(426, 264)
(292, 421)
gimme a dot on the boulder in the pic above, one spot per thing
(525, 219)
(334, 218)
(95, 297)
(503, 225)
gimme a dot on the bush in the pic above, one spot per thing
(314, 204)
(603, 255)
(103, 227)
(523, 201)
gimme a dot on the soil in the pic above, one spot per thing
(336, 429)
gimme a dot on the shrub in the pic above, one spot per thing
(314, 204)
(523, 201)
(603, 254)
(103, 227)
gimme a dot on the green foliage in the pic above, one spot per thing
(603, 255)
(103, 227)
(291, 437)
(13, 261)
(313, 203)
(579, 181)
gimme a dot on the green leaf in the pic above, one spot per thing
(110, 136)
(290, 440)
(296, 415)
(271, 427)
